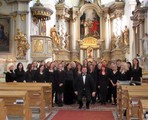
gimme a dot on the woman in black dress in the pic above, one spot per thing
(29, 73)
(114, 78)
(40, 74)
(68, 88)
(136, 71)
(50, 77)
(59, 84)
(20, 73)
(123, 71)
(10, 74)
(129, 71)
(103, 79)
(93, 74)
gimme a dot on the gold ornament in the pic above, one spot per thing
(22, 44)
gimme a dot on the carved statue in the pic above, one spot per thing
(55, 36)
(138, 5)
(43, 28)
(61, 1)
(113, 42)
(67, 41)
(90, 53)
(126, 36)
(145, 44)
(88, 1)
(22, 44)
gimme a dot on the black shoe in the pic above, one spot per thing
(60, 105)
(87, 107)
(80, 107)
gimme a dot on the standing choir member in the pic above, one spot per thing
(20, 73)
(59, 83)
(68, 87)
(40, 74)
(136, 71)
(123, 71)
(10, 74)
(29, 73)
(83, 86)
(50, 77)
(129, 71)
(92, 73)
(114, 78)
(103, 79)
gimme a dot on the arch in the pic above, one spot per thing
(97, 8)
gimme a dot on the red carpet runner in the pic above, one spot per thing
(83, 115)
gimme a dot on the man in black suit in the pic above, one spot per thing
(83, 87)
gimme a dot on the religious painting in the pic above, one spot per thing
(4, 33)
(89, 52)
(90, 24)
(38, 45)
(43, 28)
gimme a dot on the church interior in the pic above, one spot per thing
(72, 31)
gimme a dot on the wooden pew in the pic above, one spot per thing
(143, 107)
(36, 97)
(122, 96)
(3, 112)
(47, 90)
(11, 102)
(132, 103)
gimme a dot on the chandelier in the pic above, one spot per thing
(40, 12)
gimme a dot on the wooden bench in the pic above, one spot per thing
(3, 112)
(16, 103)
(36, 97)
(132, 103)
(143, 108)
(122, 96)
(47, 90)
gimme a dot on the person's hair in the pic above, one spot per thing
(8, 66)
(40, 67)
(125, 67)
(137, 63)
(29, 66)
(118, 60)
(105, 69)
(66, 67)
(129, 64)
(84, 66)
(19, 65)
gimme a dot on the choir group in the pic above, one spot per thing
(66, 76)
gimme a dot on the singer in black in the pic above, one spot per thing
(83, 87)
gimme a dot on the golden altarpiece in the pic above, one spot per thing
(88, 29)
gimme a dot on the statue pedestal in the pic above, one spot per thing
(117, 54)
(106, 55)
(75, 55)
(62, 54)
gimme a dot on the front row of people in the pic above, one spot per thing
(72, 82)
